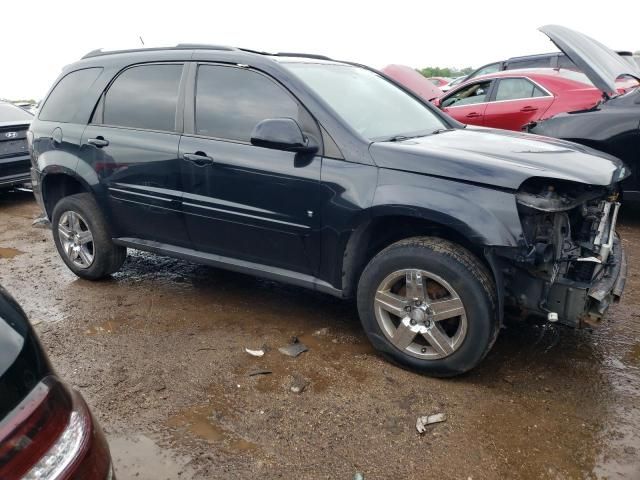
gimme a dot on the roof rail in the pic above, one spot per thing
(206, 46)
(287, 54)
(302, 55)
(182, 46)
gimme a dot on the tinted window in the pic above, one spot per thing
(565, 62)
(144, 97)
(514, 88)
(11, 113)
(540, 62)
(231, 101)
(476, 93)
(62, 103)
(486, 70)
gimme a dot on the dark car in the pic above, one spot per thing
(613, 124)
(331, 176)
(14, 155)
(46, 428)
(540, 60)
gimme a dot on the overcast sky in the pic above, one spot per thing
(40, 37)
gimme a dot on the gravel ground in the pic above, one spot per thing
(158, 352)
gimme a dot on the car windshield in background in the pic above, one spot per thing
(369, 103)
(11, 113)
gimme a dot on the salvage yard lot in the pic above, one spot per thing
(158, 352)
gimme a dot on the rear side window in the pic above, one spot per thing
(144, 97)
(62, 103)
(515, 88)
(231, 101)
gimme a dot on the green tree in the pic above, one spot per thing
(444, 72)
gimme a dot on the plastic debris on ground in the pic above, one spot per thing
(255, 353)
(294, 349)
(422, 422)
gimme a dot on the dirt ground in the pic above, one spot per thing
(158, 352)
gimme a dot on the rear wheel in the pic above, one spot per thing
(429, 304)
(80, 233)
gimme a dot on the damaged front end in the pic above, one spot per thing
(571, 266)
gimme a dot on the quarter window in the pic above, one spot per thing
(144, 97)
(476, 93)
(231, 101)
(62, 103)
(515, 88)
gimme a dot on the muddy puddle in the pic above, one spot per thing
(9, 253)
(137, 457)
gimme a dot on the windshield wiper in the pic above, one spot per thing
(441, 130)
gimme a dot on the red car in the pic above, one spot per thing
(412, 80)
(439, 81)
(512, 99)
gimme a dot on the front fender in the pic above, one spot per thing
(486, 216)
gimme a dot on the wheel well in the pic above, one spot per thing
(375, 235)
(57, 186)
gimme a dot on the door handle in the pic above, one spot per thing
(98, 142)
(201, 159)
(528, 109)
(473, 115)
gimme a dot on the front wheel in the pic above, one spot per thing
(429, 304)
(82, 238)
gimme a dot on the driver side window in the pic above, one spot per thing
(231, 101)
(476, 93)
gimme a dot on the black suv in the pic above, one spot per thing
(330, 176)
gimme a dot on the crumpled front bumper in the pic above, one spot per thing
(576, 304)
(608, 289)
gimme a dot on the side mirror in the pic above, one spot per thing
(282, 134)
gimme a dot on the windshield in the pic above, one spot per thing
(11, 113)
(369, 103)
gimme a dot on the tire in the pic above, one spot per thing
(430, 305)
(91, 256)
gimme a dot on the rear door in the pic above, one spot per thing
(132, 144)
(243, 201)
(516, 102)
(468, 104)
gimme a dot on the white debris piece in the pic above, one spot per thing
(255, 353)
(422, 422)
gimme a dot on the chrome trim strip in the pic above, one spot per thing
(111, 189)
(231, 212)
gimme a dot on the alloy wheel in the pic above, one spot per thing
(76, 239)
(420, 314)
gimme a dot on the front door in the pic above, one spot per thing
(468, 104)
(242, 201)
(132, 145)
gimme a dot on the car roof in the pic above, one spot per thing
(526, 72)
(190, 47)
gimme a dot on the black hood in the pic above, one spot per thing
(23, 363)
(598, 62)
(498, 158)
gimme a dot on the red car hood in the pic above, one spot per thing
(412, 80)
